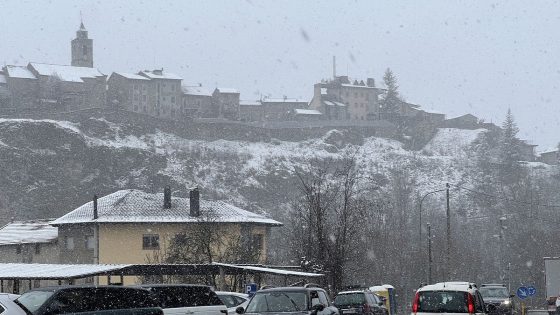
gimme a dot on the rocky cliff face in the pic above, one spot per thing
(50, 167)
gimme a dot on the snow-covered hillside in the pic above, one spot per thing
(54, 166)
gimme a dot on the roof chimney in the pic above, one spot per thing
(194, 197)
(95, 214)
(167, 197)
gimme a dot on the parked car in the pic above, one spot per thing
(383, 302)
(233, 299)
(309, 300)
(448, 298)
(186, 299)
(78, 299)
(498, 300)
(359, 302)
(8, 306)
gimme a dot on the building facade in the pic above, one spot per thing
(34, 241)
(197, 102)
(341, 99)
(226, 103)
(279, 109)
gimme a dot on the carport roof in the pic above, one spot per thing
(22, 271)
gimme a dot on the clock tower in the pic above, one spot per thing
(82, 49)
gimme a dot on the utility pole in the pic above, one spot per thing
(448, 216)
(429, 253)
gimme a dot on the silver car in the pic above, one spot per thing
(8, 306)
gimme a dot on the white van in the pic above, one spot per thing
(448, 298)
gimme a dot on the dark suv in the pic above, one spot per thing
(360, 302)
(308, 299)
(93, 299)
(498, 300)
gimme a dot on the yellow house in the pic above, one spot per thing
(135, 227)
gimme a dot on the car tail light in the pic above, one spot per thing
(470, 303)
(416, 303)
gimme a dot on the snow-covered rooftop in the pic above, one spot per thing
(358, 86)
(53, 271)
(196, 90)
(228, 90)
(249, 103)
(37, 231)
(135, 206)
(283, 100)
(19, 72)
(299, 111)
(157, 74)
(131, 76)
(334, 103)
(66, 73)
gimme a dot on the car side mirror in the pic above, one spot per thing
(240, 310)
(318, 307)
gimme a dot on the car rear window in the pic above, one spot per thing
(443, 302)
(350, 299)
(173, 297)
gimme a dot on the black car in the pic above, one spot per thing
(93, 299)
(309, 299)
(498, 300)
(359, 302)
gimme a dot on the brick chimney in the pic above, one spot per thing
(167, 197)
(95, 213)
(194, 197)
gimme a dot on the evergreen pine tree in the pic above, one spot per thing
(390, 104)
(509, 153)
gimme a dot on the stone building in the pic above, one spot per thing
(280, 109)
(340, 99)
(128, 91)
(226, 102)
(152, 92)
(197, 102)
(251, 110)
(49, 87)
(82, 49)
(164, 91)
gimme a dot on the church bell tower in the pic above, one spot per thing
(82, 49)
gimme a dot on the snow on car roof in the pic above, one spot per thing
(66, 73)
(448, 286)
(135, 206)
(19, 72)
(22, 232)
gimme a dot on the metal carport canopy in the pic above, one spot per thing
(15, 271)
(23, 271)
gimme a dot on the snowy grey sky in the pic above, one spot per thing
(455, 57)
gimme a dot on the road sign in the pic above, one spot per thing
(531, 290)
(250, 289)
(522, 292)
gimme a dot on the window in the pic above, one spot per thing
(18, 249)
(135, 86)
(173, 99)
(323, 298)
(37, 249)
(135, 97)
(257, 242)
(69, 243)
(144, 98)
(172, 87)
(90, 240)
(150, 241)
(135, 108)
(85, 50)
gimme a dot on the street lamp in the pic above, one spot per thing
(429, 234)
(420, 210)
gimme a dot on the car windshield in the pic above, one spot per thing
(443, 302)
(278, 302)
(348, 299)
(33, 300)
(494, 292)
